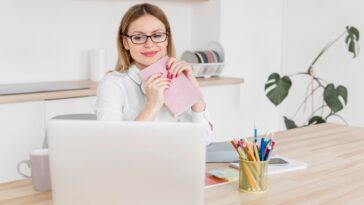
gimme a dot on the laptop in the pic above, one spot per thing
(116, 163)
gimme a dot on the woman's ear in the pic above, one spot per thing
(125, 43)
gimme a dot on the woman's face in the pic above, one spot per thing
(147, 53)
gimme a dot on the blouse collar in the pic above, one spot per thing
(134, 74)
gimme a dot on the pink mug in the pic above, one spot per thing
(39, 169)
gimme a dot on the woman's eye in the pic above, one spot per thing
(138, 37)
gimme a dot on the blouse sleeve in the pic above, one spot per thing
(110, 100)
(199, 117)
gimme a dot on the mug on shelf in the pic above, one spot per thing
(39, 169)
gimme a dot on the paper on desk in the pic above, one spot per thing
(227, 174)
(276, 169)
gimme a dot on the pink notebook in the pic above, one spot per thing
(181, 94)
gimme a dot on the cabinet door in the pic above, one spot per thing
(22, 130)
(223, 103)
(69, 106)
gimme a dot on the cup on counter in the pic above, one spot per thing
(97, 66)
(253, 176)
(39, 169)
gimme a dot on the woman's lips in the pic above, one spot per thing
(150, 53)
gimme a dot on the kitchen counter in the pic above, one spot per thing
(13, 93)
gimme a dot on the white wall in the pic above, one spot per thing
(309, 25)
(49, 40)
(251, 32)
(206, 23)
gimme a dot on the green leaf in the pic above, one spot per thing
(316, 120)
(352, 40)
(290, 124)
(354, 32)
(352, 48)
(332, 94)
(277, 88)
(347, 39)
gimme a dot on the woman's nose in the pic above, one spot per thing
(148, 43)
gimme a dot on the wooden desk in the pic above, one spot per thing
(335, 173)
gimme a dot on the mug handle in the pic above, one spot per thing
(19, 171)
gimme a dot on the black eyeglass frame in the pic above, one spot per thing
(147, 36)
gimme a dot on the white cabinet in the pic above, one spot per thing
(22, 128)
(69, 106)
(223, 103)
(23, 125)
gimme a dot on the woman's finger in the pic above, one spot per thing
(153, 77)
(163, 87)
(170, 61)
(177, 70)
(183, 67)
(158, 80)
(162, 84)
(174, 67)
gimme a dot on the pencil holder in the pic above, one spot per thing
(253, 176)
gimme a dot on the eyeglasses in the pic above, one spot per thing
(141, 39)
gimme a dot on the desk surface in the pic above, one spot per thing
(335, 173)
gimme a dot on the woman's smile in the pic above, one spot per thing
(149, 53)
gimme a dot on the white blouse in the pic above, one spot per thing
(121, 96)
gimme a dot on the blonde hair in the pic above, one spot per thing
(124, 58)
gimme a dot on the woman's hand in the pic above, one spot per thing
(177, 68)
(154, 88)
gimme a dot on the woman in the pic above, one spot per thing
(144, 37)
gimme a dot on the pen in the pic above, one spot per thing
(267, 144)
(248, 149)
(241, 151)
(255, 147)
(262, 147)
(268, 150)
(238, 149)
(273, 143)
(255, 134)
(234, 145)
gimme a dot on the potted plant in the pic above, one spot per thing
(334, 98)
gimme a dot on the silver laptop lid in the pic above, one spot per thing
(114, 163)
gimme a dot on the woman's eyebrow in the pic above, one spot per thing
(158, 30)
(141, 32)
